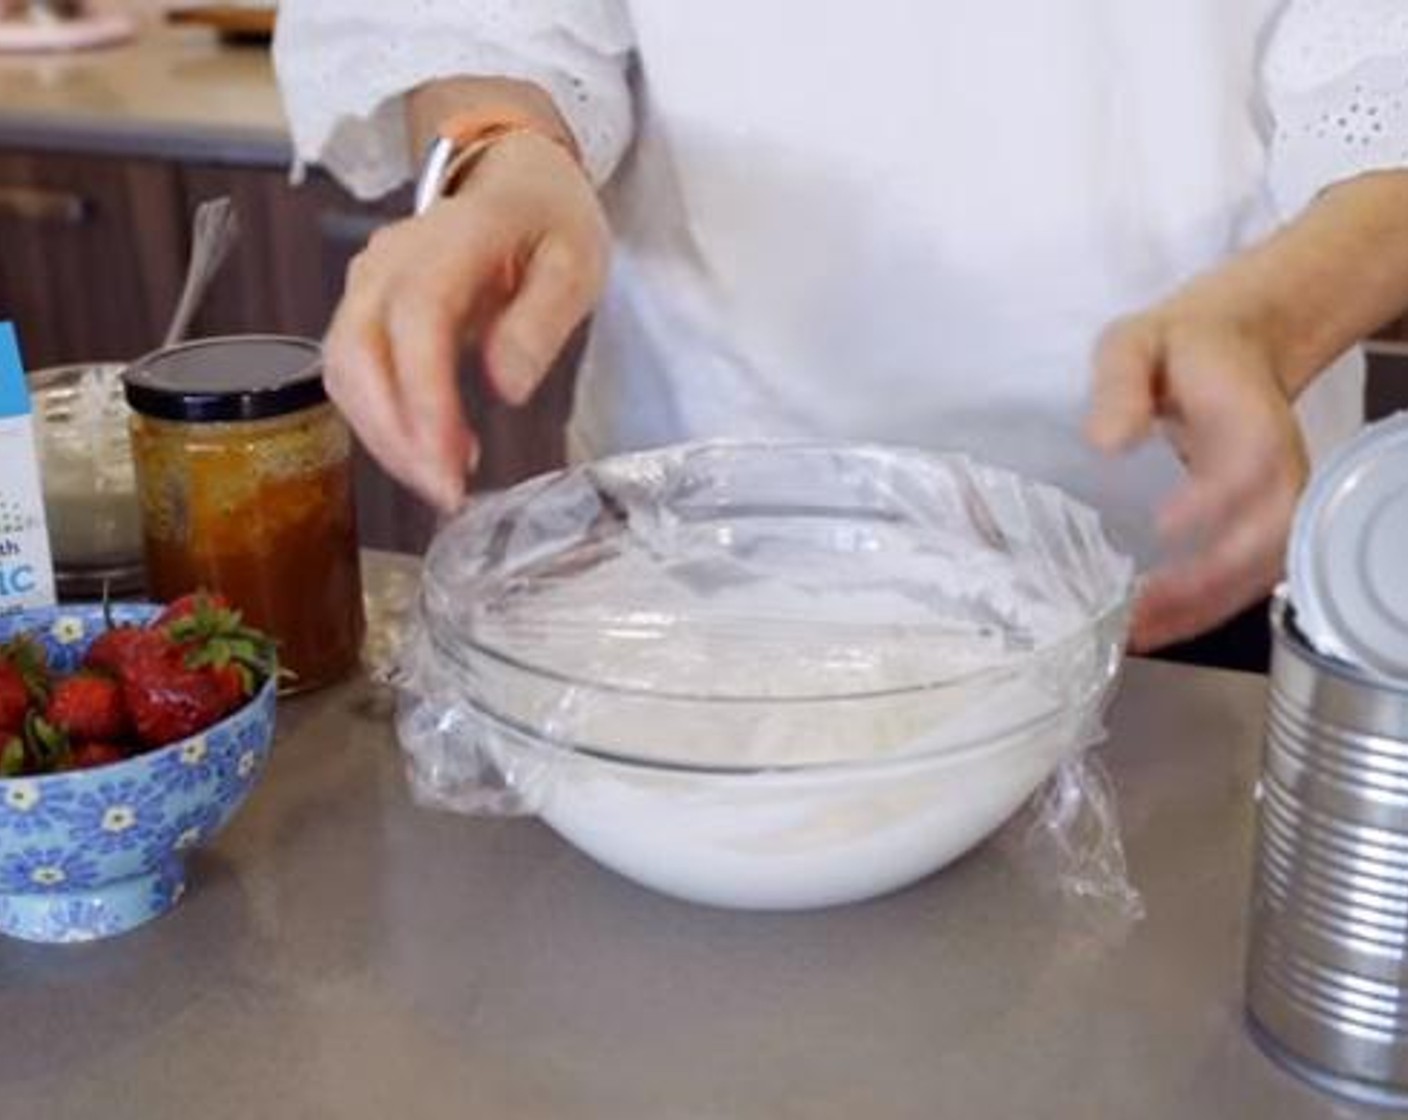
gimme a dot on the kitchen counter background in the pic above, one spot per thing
(343, 953)
(170, 93)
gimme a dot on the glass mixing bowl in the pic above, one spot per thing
(758, 674)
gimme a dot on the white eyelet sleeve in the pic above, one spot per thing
(344, 66)
(1336, 82)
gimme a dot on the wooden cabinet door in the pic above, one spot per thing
(91, 254)
(1388, 379)
(280, 276)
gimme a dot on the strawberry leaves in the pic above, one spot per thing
(46, 746)
(12, 757)
(216, 637)
(26, 656)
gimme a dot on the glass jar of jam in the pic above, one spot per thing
(244, 477)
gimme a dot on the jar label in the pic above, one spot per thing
(26, 567)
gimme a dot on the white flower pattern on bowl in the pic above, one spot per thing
(22, 796)
(119, 818)
(68, 630)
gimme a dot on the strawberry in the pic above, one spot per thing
(195, 603)
(114, 647)
(197, 666)
(88, 755)
(14, 699)
(24, 680)
(170, 699)
(88, 706)
(230, 685)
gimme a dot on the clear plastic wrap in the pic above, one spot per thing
(772, 675)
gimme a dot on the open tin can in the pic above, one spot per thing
(1327, 973)
(1327, 967)
(1347, 564)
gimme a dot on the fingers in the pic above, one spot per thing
(1181, 600)
(358, 374)
(1212, 386)
(422, 286)
(1124, 401)
(557, 291)
(1238, 511)
(424, 330)
(392, 357)
(363, 374)
(1236, 478)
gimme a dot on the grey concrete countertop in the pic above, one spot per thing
(344, 954)
(170, 93)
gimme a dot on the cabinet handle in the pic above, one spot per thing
(37, 204)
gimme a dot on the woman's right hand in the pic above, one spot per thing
(514, 261)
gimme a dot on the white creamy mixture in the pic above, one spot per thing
(90, 487)
(744, 667)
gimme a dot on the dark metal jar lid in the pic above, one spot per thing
(239, 377)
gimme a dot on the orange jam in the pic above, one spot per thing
(261, 511)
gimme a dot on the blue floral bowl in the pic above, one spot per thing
(92, 853)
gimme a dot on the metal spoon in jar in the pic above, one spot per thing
(212, 236)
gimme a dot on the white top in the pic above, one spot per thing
(902, 221)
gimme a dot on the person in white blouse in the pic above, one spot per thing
(1111, 243)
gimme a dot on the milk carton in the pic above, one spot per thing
(26, 569)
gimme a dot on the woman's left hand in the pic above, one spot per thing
(1216, 366)
(1208, 379)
